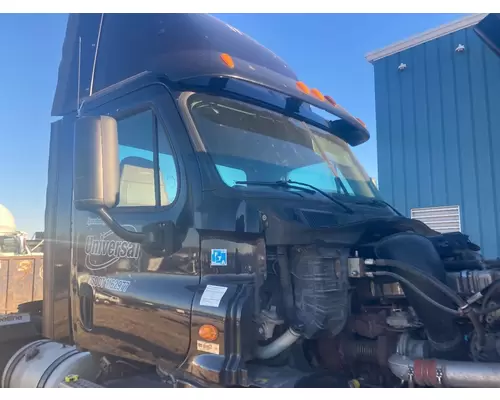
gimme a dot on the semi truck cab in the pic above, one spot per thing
(185, 135)
(207, 225)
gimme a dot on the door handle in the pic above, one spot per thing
(87, 306)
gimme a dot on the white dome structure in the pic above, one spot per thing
(7, 222)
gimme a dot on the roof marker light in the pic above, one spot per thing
(227, 59)
(361, 122)
(303, 87)
(331, 101)
(316, 93)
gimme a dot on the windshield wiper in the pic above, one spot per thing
(379, 203)
(297, 185)
(338, 202)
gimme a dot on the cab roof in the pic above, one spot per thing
(101, 50)
(114, 47)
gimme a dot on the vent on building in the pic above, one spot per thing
(441, 219)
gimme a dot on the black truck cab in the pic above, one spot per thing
(185, 153)
(207, 225)
(185, 135)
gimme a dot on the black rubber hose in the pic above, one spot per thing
(415, 258)
(429, 278)
(487, 296)
(417, 290)
(472, 315)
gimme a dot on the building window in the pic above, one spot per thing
(148, 173)
(442, 219)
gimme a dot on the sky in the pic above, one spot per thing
(326, 51)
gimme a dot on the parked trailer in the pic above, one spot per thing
(21, 281)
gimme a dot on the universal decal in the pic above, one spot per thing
(103, 249)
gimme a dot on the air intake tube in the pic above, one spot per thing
(419, 252)
(437, 373)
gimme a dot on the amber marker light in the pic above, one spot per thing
(208, 332)
(361, 122)
(303, 87)
(227, 59)
(316, 93)
(331, 101)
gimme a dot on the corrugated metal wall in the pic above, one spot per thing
(438, 132)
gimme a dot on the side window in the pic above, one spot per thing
(148, 175)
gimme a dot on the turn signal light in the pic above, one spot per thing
(227, 59)
(208, 332)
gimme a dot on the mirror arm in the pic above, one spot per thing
(134, 237)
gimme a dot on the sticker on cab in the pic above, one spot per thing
(212, 295)
(218, 258)
(207, 347)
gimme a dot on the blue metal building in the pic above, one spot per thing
(438, 130)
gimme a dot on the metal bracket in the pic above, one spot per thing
(411, 376)
(269, 319)
(356, 267)
(439, 376)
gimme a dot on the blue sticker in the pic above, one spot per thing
(218, 257)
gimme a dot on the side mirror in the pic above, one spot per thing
(96, 181)
(96, 163)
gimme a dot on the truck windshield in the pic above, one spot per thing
(250, 143)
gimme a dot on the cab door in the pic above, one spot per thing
(126, 302)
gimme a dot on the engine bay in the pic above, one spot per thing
(386, 302)
(403, 306)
